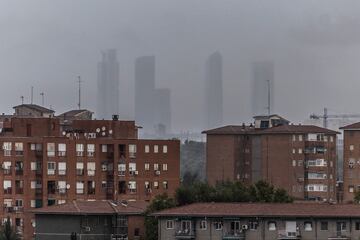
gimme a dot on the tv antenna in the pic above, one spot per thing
(79, 82)
(22, 99)
(32, 95)
(269, 97)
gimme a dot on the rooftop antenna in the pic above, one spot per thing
(79, 82)
(32, 95)
(22, 99)
(42, 94)
(269, 97)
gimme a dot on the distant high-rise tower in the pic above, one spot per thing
(214, 90)
(152, 106)
(108, 85)
(262, 98)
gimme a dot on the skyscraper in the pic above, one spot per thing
(262, 98)
(213, 90)
(144, 91)
(152, 105)
(108, 85)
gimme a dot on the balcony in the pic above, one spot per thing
(185, 234)
(19, 190)
(91, 191)
(8, 190)
(18, 209)
(8, 209)
(7, 171)
(284, 235)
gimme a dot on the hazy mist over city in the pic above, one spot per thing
(314, 46)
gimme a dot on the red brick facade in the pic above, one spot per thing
(97, 160)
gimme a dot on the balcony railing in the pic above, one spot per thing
(19, 172)
(286, 235)
(19, 190)
(8, 190)
(185, 233)
(233, 235)
(7, 171)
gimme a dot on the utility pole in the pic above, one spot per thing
(79, 82)
(42, 94)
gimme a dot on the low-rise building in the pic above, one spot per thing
(88, 220)
(260, 221)
(299, 158)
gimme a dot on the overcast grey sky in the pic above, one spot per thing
(313, 43)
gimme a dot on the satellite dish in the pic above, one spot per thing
(63, 133)
(110, 131)
(68, 186)
(103, 133)
(103, 128)
(98, 130)
(68, 135)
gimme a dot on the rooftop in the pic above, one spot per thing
(263, 210)
(106, 207)
(283, 129)
(73, 113)
(352, 126)
(36, 107)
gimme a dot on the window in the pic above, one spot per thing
(331, 139)
(341, 226)
(122, 169)
(91, 150)
(170, 224)
(308, 226)
(80, 187)
(147, 148)
(293, 138)
(104, 148)
(147, 185)
(7, 186)
(79, 149)
(351, 188)
(7, 202)
(156, 184)
(324, 226)
(351, 147)
(79, 168)
(165, 185)
(62, 168)
(132, 186)
(7, 148)
(300, 163)
(50, 149)
(218, 225)
(300, 151)
(294, 151)
(253, 225)
(272, 226)
(33, 166)
(19, 149)
(357, 226)
(32, 203)
(203, 225)
(51, 168)
(294, 163)
(132, 167)
(91, 168)
(6, 167)
(156, 148)
(165, 149)
(165, 167)
(33, 184)
(300, 138)
(132, 150)
(147, 166)
(62, 187)
(61, 149)
(156, 167)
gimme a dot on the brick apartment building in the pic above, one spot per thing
(351, 162)
(299, 158)
(45, 163)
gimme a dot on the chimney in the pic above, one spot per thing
(115, 117)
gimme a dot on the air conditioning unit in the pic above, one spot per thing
(157, 172)
(149, 190)
(16, 209)
(87, 229)
(104, 168)
(245, 227)
(351, 163)
(136, 172)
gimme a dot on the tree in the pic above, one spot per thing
(8, 232)
(357, 197)
(159, 203)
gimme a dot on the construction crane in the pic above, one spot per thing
(325, 117)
